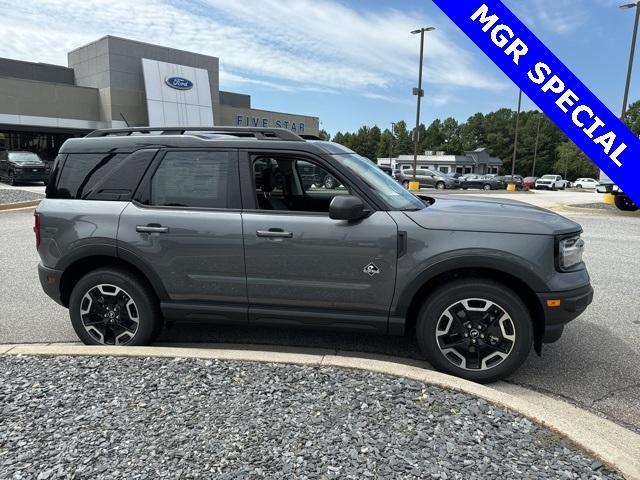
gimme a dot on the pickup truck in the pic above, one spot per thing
(622, 201)
(551, 182)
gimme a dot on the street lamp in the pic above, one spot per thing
(393, 129)
(515, 141)
(632, 54)
(535, 150)
(419, 93)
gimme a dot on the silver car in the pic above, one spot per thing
(428, 179)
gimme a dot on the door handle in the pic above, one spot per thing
(274, 233)
(152, 228)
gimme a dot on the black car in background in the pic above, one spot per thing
(16, 167)
(484, 182)
(517, 179)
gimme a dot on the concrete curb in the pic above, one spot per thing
(601, 438)
(18, 205)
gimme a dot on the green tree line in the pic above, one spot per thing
(495, 131)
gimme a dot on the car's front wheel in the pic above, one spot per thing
(486, 187)
(477, 329)
(112, 306)
(12, 178)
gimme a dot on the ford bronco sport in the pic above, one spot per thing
(141, 226)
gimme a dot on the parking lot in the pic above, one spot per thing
(595, 364)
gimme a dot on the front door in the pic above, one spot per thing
(186, 228)
(304, 268)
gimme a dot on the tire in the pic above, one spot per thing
(11, 180)
(486, 187)
(625, 204)
(440, 186)
(116, 286)
(405, 184)
(579, 185)
(449, 297)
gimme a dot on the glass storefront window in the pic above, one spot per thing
(46, 145)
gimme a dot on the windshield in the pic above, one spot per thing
(391, 191)
(23, 157)
(549, 177)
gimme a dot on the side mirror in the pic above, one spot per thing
(604, 189)
(346, 207)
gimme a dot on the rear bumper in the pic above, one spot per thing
(50, 282)
(572, 304)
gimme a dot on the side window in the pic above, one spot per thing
(201, 179)
(317, 179)
(81, 172)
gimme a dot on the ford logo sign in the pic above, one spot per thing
(179, 83)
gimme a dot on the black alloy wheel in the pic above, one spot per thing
(476, 329)
(114, 307)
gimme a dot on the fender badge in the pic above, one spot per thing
(371, 269)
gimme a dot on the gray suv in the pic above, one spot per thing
(217, 225)
(427, 179)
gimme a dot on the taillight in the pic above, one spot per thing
(36, 228)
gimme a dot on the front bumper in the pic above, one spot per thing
(28, 175)
(50, 282)
(572, 304)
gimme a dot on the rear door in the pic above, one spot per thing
(185, 228)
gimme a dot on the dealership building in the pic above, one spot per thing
(113, 82)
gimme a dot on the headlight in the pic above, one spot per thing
(570, 251)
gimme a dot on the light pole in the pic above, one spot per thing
(515, 141)
(535, 150)
(393, 129)
(631, 55)
(419, 93)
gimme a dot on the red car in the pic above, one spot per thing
(529, 182)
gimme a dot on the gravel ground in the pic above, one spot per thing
(14, 195)
(136, 418)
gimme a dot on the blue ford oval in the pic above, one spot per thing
(179, 83)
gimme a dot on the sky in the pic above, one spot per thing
(351, 63)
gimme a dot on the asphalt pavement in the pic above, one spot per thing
(596, 364)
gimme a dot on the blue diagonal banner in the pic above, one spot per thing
(551, 85)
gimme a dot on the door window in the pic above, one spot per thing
(197, 179)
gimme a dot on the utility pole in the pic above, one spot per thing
(393, 129)
(419, 93)
(535, 150)
(625, 102)
(515, 142)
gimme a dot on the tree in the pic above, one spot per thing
(572, 163)
(632, 118)
(324, 135)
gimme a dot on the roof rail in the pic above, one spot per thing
(259, 133)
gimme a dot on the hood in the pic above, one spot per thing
(491, 215)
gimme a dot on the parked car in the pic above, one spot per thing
(386, 169)
(529, 182)
(312, 176)
(17, 166)
(551, 182)
(428, 179)
(590, 183)
(622, 201)
(484, 182)
(517, 179)
(139, 230)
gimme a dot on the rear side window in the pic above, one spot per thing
(81, 172)
(196, 179)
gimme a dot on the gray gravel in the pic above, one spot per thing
(136, 418)
(14, 196)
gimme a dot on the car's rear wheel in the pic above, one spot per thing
(440, 185)
(330, 183)
(625, 204)
(578, 186)
(12, 178)
(113, 306)
(476, 329)
(405, 184)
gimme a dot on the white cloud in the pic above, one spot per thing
(558, 16)
(318, 45)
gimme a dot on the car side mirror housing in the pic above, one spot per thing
(604, 189)
(347, 207)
